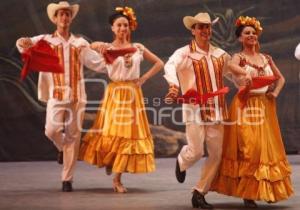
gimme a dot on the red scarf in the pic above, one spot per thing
(257, 82)
(111, 55)
(40, 58)
(192, 96)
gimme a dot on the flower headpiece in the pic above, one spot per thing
(129, 12)
(249, 21)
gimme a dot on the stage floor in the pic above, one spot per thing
(36, 185)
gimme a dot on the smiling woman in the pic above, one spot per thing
(120, 138)
(254, 165)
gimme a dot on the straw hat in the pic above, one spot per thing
(201, 17)
(53, 8)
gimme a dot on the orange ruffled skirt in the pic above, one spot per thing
(254, 165)
(120, 137)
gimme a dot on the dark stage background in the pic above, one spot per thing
(161, 30)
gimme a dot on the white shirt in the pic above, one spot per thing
(181, 63)
(88, 57)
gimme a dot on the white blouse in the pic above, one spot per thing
(126, 69)
(267, 71)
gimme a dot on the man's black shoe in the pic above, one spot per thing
(60, 157)
(67, 186)
(180, 175)
(198, 201)
(250, 203)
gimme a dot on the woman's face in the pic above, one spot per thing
(248, 36)
(120, 28)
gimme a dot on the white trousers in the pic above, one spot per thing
(63, 128)
(196, 135)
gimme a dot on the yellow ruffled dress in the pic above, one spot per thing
(120, 137)
(254, 164)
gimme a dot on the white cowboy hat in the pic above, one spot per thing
(201, 17)
(53, 8)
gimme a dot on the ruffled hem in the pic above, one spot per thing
(269, 182)
(253, 189)
(121, 154)
(272, 172)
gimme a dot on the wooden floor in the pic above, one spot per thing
(36, 185)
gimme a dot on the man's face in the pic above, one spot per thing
(63, 18)
(202, 31)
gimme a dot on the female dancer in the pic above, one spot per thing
(120, 138)
(254, 165)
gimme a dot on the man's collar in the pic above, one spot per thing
(199, 50)
(56, 34)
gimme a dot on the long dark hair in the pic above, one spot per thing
(115, 16)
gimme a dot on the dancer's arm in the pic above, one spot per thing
(279, 83)
(297, 52)
(171, 68)
(24, 43)
(157, 66)
(235, 69)
(92, 59)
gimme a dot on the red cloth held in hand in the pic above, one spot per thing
(40, 58)
(257, 82)
(192, 96)
(111, 55)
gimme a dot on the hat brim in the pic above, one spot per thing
(52, 8)
(189, 21)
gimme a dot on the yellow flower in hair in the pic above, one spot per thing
(129, 12)
(249, 21)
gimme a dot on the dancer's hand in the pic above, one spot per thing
(210, 101)
(247, 80)
(139, 82)
(25, 43)
(271, 95)
(172, 94)
(271, 87)
(100, 47)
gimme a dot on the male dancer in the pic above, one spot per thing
(199, 66)
(65, 93)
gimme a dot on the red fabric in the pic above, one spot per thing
(192, 96)
(40, 57)
(111, 55)
(257, 82)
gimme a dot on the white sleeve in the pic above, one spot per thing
(34, 40)
(93, 60)
(171, 67)
(297, 52)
